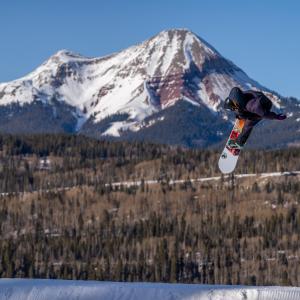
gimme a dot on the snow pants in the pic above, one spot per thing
(243, 137)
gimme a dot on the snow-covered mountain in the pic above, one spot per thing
(168, 88)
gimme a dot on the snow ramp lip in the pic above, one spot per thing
(15, 289)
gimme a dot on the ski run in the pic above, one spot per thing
(203, 179)
(171, 182)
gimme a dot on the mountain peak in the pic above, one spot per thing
(65, 52)
(64, 55)
(186, 34)
(182, 31)
(178, 33)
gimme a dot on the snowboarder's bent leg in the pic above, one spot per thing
(243, 137)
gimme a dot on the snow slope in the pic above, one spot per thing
(19, 289)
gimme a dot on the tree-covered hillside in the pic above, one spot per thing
(60, 216)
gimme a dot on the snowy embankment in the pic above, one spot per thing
(19, 289)
(203, 179)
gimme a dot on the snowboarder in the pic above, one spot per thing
(251, 106)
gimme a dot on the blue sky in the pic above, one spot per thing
(260, 36)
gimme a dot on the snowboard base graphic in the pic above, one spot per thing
(230, 154)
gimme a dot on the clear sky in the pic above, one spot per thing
(260, 36)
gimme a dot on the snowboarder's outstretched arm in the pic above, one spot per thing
(273, 116)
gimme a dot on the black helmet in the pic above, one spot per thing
(235, 100)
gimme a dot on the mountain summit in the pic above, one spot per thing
(175, 81)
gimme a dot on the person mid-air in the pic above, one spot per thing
(251, 106)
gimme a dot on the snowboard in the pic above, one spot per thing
(230, 154)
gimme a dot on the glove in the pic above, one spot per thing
(281, 117)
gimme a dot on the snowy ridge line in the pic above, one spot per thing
(16, 289)
(156, 181)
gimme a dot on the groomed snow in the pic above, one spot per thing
(25, 289)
